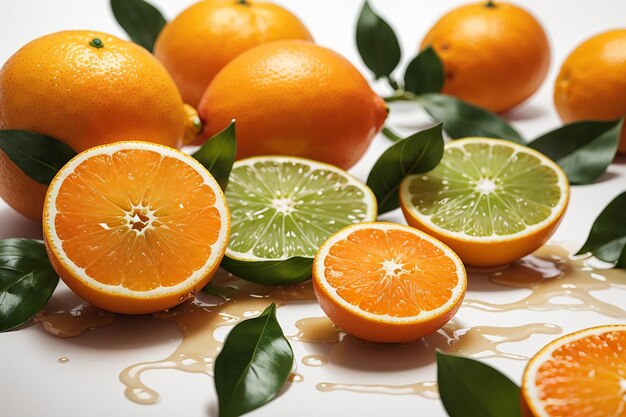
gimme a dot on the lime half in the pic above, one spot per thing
(490, 200)
(286, 207)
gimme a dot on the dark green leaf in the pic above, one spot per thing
(285, 272)
(469, 388)
(583, 149)
(218, 154)
(27, 281)
(39, 156)
(140, 20)
(462, 120)
(607, 238)
(416, 154)
(253, 365)
(377, 43)
(424, 74)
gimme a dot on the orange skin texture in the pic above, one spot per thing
(294, 98)
(60, 86)
(494, 57)
(200, 41)
(591, 84)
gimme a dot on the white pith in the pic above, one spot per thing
(57, 247)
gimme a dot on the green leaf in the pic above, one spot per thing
(284, 272)
(461, 119)
(39, 156)
(607, 238)
(416, 154)
(27, 281)
(424, 74)
(253, 365)
(377, 43)
(140, 20)
(217, 154)
(583, 149)
(469, 388)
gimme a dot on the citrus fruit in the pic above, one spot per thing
(285, 207)
(492, 201)
(294, 98)
(591, 82)
(386, 282)
(84, 88)
(495, 54)
(135, 227)
(203, 38)
(582, 374)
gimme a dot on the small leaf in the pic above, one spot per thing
(416, 154)
(253, 365)
(217, 154)
(140, 20)
(583, 149)
(424, 74)
(469, 388)
(284, 272)
(39, 156)
(377, 43)
(27, 281)
(607, 238)
(461, 119)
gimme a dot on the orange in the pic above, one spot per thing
(294, 98)
(200, 41)
(84, 88)
(582, 374)
(592, 81)
(387, 282)
(135, 227)
(495, 54)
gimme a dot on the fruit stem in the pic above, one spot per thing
(96, 43)
(244, 2)
(490, 4)
(393, 83)
(391, 135)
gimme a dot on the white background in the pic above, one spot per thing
(34, 384)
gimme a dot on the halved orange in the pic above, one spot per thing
(582, 374)
(135, 227)
(387, 282)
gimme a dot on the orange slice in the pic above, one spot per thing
(582, 374)
(387, 282)
(135, 227)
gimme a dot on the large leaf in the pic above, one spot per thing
(218, 154)
(607, 238)
(416, 154)
(469, 388)
(39, 156)
(583, 149)
(27, 281)
(253, 365)
(462, 120)
(377, 43)
(425, 73)
(284, 272)
(140, 20)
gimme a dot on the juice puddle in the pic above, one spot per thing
(314, 360)
(426, 389)
(63, 359)
(317, 330)
(553, 271)
(74, 322)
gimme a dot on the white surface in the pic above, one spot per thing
(34, 384)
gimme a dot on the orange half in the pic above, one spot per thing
(387, 282)
(582, 374)
(135, 227)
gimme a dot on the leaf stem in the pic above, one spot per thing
(490, 3)
(391, 135)
(401, 96)
(393, 83)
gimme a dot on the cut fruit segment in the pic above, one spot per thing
(286, 207)
(135, 227)
(492, 201)
(582, 374)
(387, 282)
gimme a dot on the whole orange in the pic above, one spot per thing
(208, 35)
(85, 89)
(495, 54)
(294, 98)
(592, 81)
